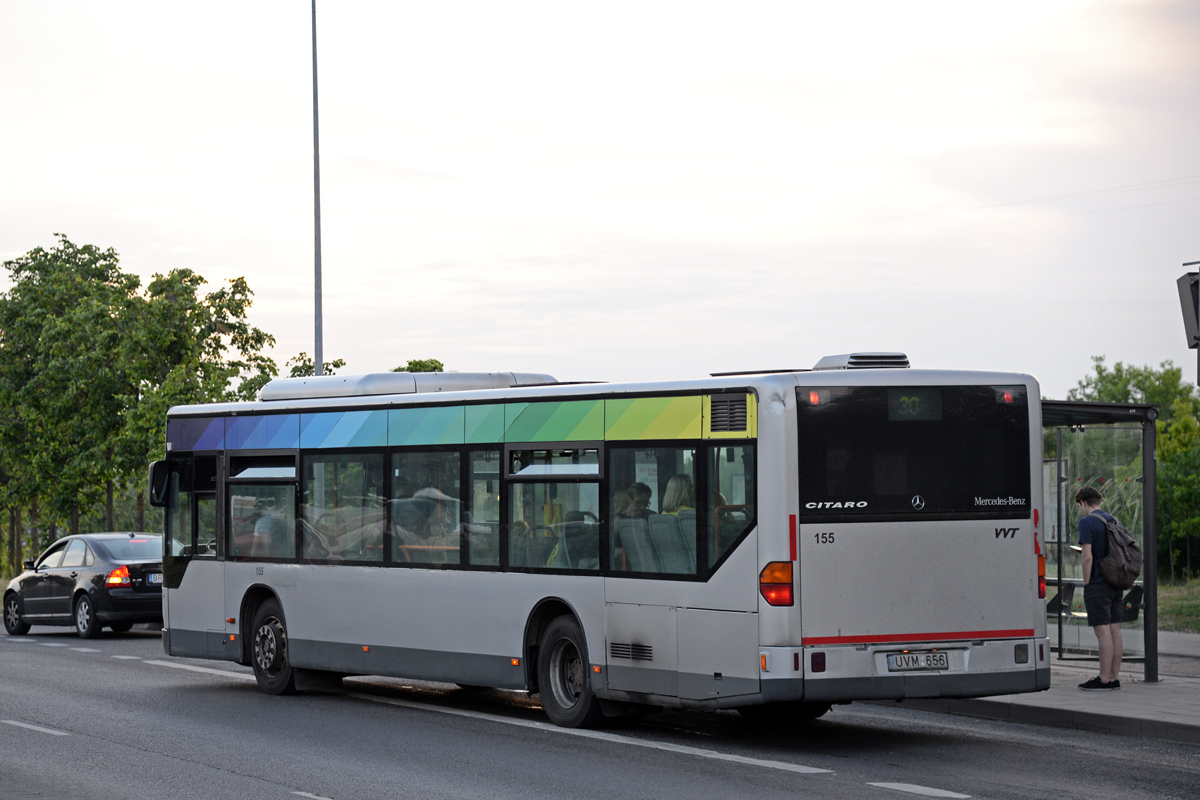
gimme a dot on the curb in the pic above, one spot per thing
(1058, 718)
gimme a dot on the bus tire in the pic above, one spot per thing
(563, 676)
(783, 713)
(14, 622)
(86, 624)
(269, 645)
(121, 627)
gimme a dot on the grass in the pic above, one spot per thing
(1179, 606)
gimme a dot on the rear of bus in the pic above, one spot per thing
(917, 536)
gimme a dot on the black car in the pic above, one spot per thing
(89, 581)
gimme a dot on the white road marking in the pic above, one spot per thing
(84, 650)
(313, 796)
(34, 727)
(912, 788)
(19, 640)
(129, 658)
(224, 673)
(51, 644)
(606, 737)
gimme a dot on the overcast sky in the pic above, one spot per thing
(632, 190)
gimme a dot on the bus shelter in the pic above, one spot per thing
(1111, 447)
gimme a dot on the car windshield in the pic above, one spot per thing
(135, 549)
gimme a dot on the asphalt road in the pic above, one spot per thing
(114, 717)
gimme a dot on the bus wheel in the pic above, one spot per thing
(271, 666)
(563, 679)
(783, 713)
(121, 627)
(86, 624)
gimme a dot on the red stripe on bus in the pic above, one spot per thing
(916, 637)
(792, 529)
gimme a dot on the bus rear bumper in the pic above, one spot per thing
(977, 669)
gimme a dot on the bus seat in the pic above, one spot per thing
(668, 544)
(687, 529)
(578, 546)
(634, 536)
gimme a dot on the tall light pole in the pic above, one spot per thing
(319, 349)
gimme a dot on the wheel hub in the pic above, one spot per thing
(566, 673)
(269, 646)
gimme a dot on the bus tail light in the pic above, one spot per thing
(775, 583)
(118, 577)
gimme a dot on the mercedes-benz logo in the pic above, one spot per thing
(918, 502)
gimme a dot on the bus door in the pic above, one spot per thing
(193, 577)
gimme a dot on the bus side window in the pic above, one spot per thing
(426, 507)
(179, 516)
(482, 525)
(262, 521)
(342, 511)
(731, 503)
(653, 524)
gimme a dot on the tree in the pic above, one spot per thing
(89, 365)
(186, 348)
(422, 365)
(302, 366)
(61, 323)
(1123, 384)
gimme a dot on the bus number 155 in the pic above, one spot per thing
(823, 538)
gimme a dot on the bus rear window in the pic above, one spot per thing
(925, 452)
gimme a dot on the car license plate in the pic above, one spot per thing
(154, 578)
(904, 662)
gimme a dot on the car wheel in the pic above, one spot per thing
(272, 668)
(86, 624)
(121, 627)
(563, 679)
(13, 623)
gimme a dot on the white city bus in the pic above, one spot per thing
(775, 542)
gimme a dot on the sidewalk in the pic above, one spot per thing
(1168, 710)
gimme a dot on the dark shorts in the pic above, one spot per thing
(1103, 603)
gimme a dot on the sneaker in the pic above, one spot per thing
(1115, 683)
(1095, 683)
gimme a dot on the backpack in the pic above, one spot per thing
(1123, 563)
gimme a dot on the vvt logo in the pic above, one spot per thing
(1007, 533)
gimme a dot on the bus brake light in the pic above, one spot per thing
(118, 577)
(1041, 577)
(775, 583)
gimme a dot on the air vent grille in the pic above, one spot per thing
(634, 652)
(728, 412)
(864, 361)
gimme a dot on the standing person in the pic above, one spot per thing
(1101, 599)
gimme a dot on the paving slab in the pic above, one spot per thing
(1168, 709)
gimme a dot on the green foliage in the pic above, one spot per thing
(422, 365)
(89, 365)
(1123, 384)
(303, 366)
(1179, 606)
